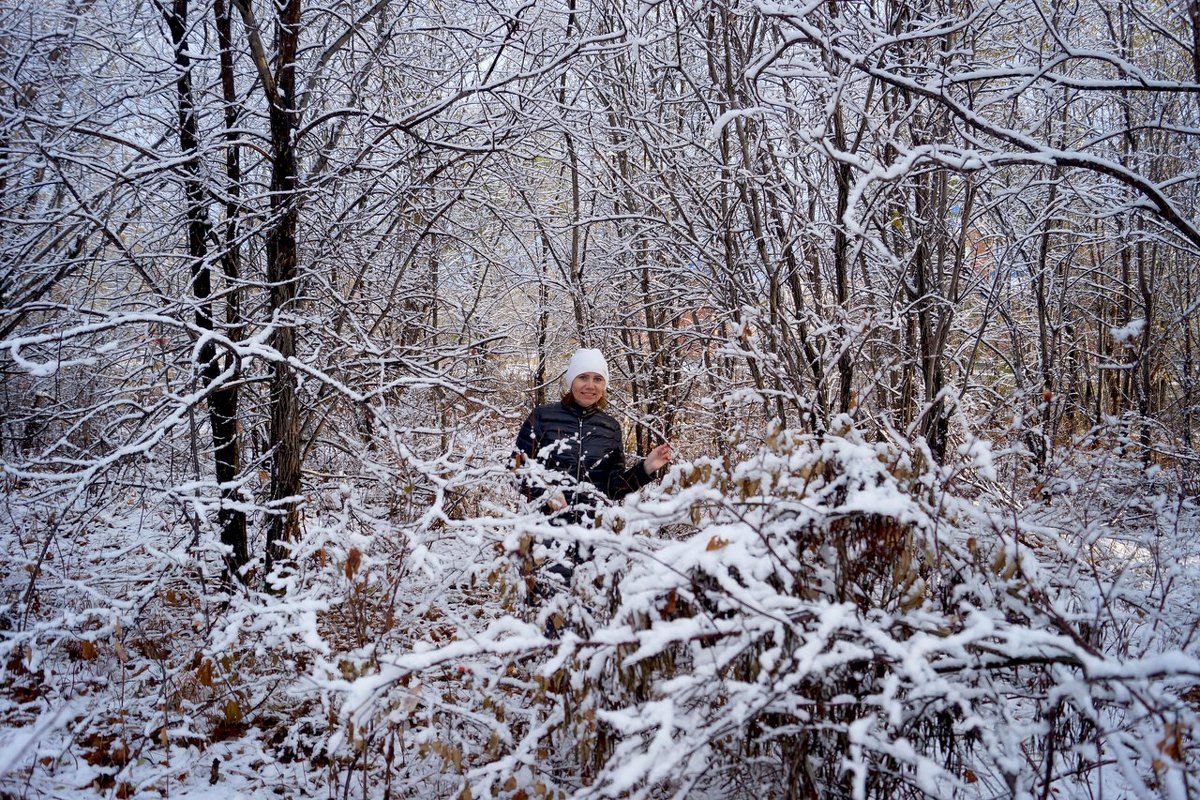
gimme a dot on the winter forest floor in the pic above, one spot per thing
(822, 612)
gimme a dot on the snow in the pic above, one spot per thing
(17, 743)
(1126, 334)
(922, 215)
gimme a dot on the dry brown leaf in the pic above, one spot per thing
(353, 561)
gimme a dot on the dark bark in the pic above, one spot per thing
(283, 275)
(841, 256)
(543, 332)
(222, 403)
(283, 270)
(1194, 14)
(925, 294)
(731, 251)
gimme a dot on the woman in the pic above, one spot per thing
(579, 462)
(579, 447)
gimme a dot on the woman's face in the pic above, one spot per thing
(588, 388)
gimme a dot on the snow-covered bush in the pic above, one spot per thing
(839, 623)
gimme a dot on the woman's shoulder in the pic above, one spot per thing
(553, 412)
(602, 419)
(553, 407)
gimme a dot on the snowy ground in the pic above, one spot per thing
(406, 661)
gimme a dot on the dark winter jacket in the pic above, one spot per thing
(581, 452)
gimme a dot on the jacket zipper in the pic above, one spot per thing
(579, 461)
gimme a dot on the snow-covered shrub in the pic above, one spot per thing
(843, 624)
(840, 623)
(759, 651)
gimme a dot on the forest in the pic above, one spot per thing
(911, 286)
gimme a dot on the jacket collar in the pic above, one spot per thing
(578, 411)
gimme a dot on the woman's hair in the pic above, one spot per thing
(569, 400)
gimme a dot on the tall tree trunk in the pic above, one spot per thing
(926, 294)
(543, 327)
(283, 270)
(225, 401)
(222, 403)
(841, 257)
(1146, 356)
(1188, 368)
(283, 275)
(731, 251)
(575, 266)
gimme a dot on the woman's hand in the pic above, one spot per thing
(658, 457)
(556, 502)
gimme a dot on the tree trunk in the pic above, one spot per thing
(222, 403)
(283, 271)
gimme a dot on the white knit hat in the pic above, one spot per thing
(585, 360)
